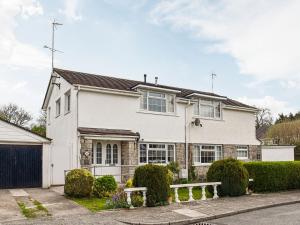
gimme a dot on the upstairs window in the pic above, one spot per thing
(208, 109)
(67, 101)
(57, 107)
(157, 102)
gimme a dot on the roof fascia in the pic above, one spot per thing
(148, 87)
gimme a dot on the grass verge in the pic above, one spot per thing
(93, 204)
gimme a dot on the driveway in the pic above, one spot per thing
(53, 200)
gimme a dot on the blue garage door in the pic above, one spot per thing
(20, 166)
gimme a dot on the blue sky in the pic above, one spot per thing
(253, 48)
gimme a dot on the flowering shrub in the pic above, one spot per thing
(118, 200)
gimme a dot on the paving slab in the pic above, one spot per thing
(56, 203)
(9, 209)
(18, 193)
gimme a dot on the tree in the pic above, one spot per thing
(40, 127)
(15, 114)
(264, 118)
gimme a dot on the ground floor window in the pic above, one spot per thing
(156, 153)
(204, 154)
(242, 152)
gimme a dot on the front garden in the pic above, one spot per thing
(104, 193)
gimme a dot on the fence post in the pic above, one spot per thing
(191, 194)
(176, 195)
(203, 193)
(215, 192)
(144, 198)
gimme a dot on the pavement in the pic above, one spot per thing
(64, 211)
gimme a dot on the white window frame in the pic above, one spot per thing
(198, 147)
(242, 148)
(58, 107)
(95, 145)
(197, 106)
(166, 149)
(166, 98)
(68, 101)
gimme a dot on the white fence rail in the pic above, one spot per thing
(191, 186)
(129, 191)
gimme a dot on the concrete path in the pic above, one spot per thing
(9, 209)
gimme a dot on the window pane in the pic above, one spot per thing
(157, 105)
(207, 156)
(143, 103)
(108, 154)
(219, 153)
(171, 153)
(217, 110)
(242, 152)
(157, 95)
(196, 108)
(171, 107)
(115, 154)
(196, 155)
(157, 153)
(58, 107)
(143, 153)
(99, 154)
(207, 111)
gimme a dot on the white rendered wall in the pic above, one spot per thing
(277, 153)
(122, 112)
(63, 132)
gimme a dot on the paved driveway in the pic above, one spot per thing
(56, 204)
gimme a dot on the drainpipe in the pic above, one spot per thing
(185, 138)
(78, 140)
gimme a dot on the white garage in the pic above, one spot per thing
(277, 153)
(24, 158)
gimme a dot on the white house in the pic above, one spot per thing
(112, 125)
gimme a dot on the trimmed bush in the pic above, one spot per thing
(155, 178)
(105, 186)
(274, 176)
(79, 183)
(232, 174)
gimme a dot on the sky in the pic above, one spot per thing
(251, 45)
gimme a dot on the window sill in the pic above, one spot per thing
(67, 112)
(158, 113)
(207, 118)
(57, 116)
(242, 158)
(202, 164)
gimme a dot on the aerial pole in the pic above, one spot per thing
(213, 75)
(52, 49)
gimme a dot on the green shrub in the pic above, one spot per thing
(137, 199)
(129, 183)
(181, 181)
(118, 200)
(274, 176)
(170, 177)
(174, 167)
(154, 177)
(232, 174)
(79, 183)
(105, 186)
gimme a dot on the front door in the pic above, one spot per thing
(107, 159)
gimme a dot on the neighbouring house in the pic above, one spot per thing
(111, 125)
(271, 150)
(24, 157)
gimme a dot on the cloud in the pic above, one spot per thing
(71, 11)
(276, 106)
(14, 53)
(263, 36)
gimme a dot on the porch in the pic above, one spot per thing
(109, 152)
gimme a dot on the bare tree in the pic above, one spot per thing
(15, 114)
(264, 117)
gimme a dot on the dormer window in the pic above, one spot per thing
(157, 102)
(208, 109)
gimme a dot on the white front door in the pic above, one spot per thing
(107, 159)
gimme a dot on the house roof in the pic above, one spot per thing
(25, 129)
(104, 131)
(261, 132)
(95, 80)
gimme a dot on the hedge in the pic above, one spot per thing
(79, 183)
(232, 174)
(155, 178)
(105, 186)
(274, 176)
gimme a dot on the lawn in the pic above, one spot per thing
(183, 194)
(93, 204)
(97, 204)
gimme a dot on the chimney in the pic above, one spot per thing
(145, 78)
(156, 78)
